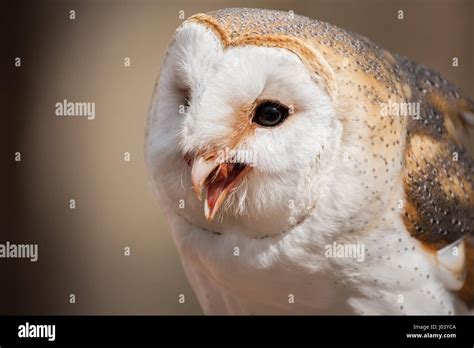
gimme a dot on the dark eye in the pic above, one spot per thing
(270, 114)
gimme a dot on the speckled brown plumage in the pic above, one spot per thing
(439, 170)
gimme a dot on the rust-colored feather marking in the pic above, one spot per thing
(211, 24)
(243, 127)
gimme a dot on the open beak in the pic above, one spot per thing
(216, 180)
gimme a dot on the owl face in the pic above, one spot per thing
(239, 134)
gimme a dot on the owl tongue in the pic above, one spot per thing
(219, 183)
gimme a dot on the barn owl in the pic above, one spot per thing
(304, 169)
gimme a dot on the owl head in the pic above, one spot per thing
(243, 130)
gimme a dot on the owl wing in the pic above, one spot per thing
(438, 175)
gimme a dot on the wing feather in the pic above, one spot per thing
(439, 166)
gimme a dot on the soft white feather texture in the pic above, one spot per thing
(304, 193)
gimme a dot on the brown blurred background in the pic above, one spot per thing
(81, 251)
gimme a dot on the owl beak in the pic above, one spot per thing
(201, 169)
(218, 178)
